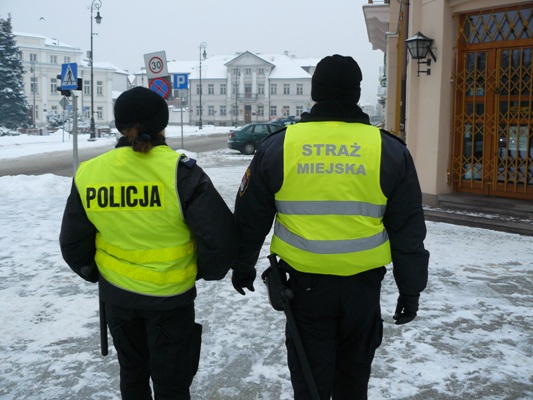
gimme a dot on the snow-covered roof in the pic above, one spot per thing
(215, 67)
(286, 67)
(47, 41)
(108, 65)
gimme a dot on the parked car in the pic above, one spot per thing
(286, 120)
(249, 138)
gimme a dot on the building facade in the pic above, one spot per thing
(242, 88)
(467, 112)
(42, 58)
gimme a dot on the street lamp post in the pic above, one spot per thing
(203, 45)
(33, 89)
(95, 5)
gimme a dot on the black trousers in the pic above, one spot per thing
(339, 320)
(163, 345)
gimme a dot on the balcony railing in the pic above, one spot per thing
(248, 96)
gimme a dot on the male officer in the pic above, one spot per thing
(346, 201)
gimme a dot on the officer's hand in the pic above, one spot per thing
(406, 309)
(241, 280)
(89, 273)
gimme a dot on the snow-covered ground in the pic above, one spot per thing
(473, 338)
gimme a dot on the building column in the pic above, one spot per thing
(254, 83)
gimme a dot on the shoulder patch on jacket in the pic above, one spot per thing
(393, 136)
(245, 181)
(188, 162)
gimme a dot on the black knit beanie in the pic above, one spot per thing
(141, 106)
(337, 78)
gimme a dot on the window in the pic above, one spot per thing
(260, 110)
(211, 110)
(53, 85)
(261, 129)
(285, 110)
(33, 86)
(248, 90)
(286, 88)
(236, 71)
(33, 57)
(222, 111)
(87, 87)
(273, 88)
(66, 59)
(261, 71)
(299, 110)
(198, 89)
(99, 88)
(261, 88)
(247, 71)
(54, 109)
(222, 88)
(53, 59)
(99, 113)
(299, 88)
(273, 111)
(211, 89)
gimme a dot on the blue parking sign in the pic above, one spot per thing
(181, 81)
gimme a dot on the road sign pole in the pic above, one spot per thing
(64, 103)
(181, 115)
(74, 132)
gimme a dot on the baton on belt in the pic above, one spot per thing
(280, 296)
(86, 272)
(104, 348)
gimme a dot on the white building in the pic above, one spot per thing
(42, 58)
(242, 88)
(236, 89)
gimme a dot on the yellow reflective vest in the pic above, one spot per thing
(330, 206)
(143, 244)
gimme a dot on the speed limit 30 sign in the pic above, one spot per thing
(156, 64)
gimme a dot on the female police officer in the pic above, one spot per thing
(152, 223)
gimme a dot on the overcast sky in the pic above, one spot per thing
(132, 28)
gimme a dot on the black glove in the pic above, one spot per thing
(241, 280)
(89, 273)
(405, 309)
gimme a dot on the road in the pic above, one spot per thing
(60, 162)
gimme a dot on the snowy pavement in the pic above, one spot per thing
(473, 338)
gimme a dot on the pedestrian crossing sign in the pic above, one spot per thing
(69, 76)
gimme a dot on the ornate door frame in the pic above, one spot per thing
(492, 150)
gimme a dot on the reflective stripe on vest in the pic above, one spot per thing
(330, 246)
(140, 270)
(330, 206)
(143, 244)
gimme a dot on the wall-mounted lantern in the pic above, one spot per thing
(419, 46)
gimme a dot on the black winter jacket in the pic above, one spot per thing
(207, 215)
(404, 217)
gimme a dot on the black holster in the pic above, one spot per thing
(275, 278)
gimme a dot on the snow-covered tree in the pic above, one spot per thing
(13, 102)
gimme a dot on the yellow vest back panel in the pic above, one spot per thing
(331, 206)
(143, 243)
